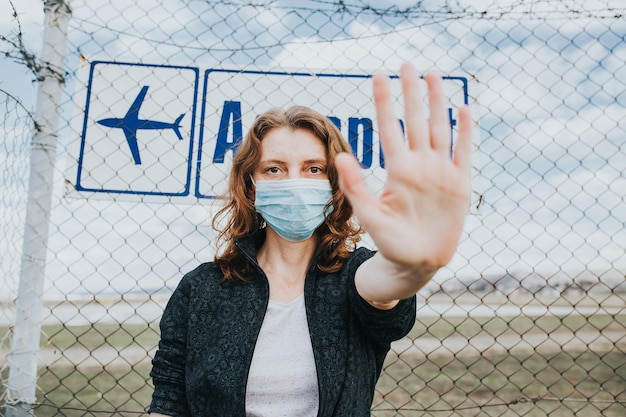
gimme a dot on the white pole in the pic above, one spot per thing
(23, 359)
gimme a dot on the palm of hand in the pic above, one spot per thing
(418, 218)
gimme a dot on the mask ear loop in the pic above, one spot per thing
(253, 190)
(262, 220)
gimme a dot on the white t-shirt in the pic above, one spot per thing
(282, 381)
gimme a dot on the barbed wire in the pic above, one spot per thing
(420, 11)
(19, 103)
(449, 9)
(19, 53)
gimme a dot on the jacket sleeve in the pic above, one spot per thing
(381, 326)
(168, 366)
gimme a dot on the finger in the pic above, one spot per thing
(351, 183)
(391, 136)
(439, 119)
(414, 116)
(463, 146)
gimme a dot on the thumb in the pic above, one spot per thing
(353, 186)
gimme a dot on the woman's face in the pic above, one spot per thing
(289, 154)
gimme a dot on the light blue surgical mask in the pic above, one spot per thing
(293, 208)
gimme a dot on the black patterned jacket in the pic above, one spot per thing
(209, 330)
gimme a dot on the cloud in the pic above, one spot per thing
(549, 105)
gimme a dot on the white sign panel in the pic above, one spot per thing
(139, 136)
(137, 131)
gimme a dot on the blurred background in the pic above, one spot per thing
(529, 318)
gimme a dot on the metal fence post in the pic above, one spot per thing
(21, 386)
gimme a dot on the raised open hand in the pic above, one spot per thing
(417, 220)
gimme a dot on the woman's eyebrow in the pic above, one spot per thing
(316, 161)
(271, 161)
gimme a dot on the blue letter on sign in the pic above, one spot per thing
(231, 111)
(353, 138)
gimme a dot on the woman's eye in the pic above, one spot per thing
(316, 170)
(272, 170)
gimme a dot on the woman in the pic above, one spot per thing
(291, 319)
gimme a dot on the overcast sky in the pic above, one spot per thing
(550, 99)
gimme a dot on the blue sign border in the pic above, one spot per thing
(207, 73)
(186, 191)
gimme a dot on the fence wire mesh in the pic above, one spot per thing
(529, 318)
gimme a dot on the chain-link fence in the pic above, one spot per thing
(529, 319)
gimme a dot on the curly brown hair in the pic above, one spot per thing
(336, 237)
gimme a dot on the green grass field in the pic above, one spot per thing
(558, 383)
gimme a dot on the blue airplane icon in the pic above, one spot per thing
(131, 123)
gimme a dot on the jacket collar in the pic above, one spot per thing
(249, 244)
